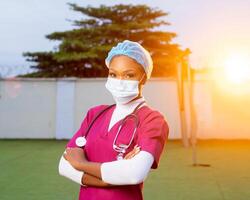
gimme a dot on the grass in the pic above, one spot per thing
(28, 170)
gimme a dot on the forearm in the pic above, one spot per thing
(80, 177)
(122, 172)
(90, 180)
(65, 169)
(91, 168)
(127, 172)
(76, 157)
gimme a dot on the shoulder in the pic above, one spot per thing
(153, 120)
(96, 108)
(93, 110)
(149, 113)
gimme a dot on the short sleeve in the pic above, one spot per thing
(71, 143)
(152, 135)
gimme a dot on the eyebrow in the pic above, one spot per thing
(132, 70)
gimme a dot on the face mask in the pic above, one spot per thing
(122, 91)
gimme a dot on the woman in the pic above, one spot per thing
(103, 172)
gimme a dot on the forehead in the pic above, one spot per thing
(122, 63)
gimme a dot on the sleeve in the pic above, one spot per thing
(127, 171)
(152, 135)
(84, 125)
(65, 169)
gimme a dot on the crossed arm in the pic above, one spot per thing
(131, 170)
(67, 170)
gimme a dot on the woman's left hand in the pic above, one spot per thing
(132, 153)
(75, 156)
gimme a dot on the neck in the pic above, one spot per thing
(138, 97)
(131, 103)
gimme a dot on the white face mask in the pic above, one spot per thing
(122, 91)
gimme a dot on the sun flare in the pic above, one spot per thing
(237, 68)
(232, 75)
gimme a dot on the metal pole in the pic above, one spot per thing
(181, 105)
(193, 118)
(193, 127)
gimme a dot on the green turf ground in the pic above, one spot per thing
(28, 171)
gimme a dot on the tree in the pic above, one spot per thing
(82, 51)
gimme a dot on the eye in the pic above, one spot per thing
(130, 76)
(111, 74)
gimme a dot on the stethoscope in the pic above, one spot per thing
(121, 148)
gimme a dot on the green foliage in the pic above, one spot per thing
(82, 51)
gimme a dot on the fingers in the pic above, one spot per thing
(66, 152)
(69, 150)
(136, 147)
(132, 153)
(65, 155)
(137, 150)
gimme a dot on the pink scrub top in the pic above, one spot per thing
(151, 136)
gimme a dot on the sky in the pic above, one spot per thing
(213, 30)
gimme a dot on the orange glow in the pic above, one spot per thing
(237, 68)
(233, 73)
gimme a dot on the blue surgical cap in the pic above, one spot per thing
(135, 51)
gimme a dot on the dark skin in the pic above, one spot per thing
(121, 67)
(76, 158)
(124, 67)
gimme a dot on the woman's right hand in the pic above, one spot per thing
(74, 154)
(132, 153)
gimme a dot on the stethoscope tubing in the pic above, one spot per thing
(110, 106)
(120, 148)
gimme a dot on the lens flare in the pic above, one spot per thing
(232, 76)
(237, 68)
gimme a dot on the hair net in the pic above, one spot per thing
(135, 51)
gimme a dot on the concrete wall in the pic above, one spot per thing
(27, 109)
(55, 108)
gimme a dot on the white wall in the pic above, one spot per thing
(27, 108)
(55, 108)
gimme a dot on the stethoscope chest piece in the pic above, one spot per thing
(81, 141)
(119, 156)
